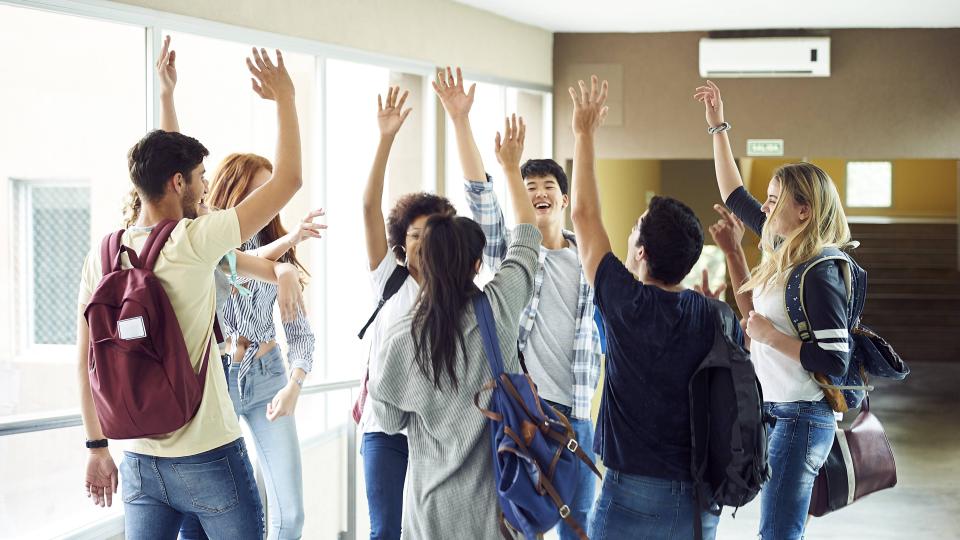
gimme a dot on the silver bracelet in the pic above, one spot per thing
(725, 126)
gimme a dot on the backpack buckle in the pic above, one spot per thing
(564, 511)
(572, 445)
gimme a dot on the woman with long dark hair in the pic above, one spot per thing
(433, 362)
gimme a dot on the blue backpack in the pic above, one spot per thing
(871, 354)
(536, 457)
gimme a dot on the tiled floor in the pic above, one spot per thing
(922, 419)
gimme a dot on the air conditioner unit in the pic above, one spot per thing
(765, 57)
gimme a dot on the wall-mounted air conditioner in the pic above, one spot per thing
(765, 57)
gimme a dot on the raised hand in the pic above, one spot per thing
(455, 100)
(727, 233)
(589, 109)
(509, 147)
(391, 116)
(709, 95)
(269, 81)
(307, 228)
(704, 286)
(167, 68)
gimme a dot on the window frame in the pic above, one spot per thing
(21, 241)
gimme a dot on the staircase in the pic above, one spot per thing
(913, 287)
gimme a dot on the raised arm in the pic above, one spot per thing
(457, 103)
(390, 118)
(728, 176)
(272, 82)
(167, 75)
(509, 148)
(727, 233)
(284, 275)
(588, 114)
(306, 229)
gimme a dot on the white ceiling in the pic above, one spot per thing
(681, 15)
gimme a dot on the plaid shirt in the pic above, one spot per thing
(586, 342)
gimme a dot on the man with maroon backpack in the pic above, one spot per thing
(200, 467)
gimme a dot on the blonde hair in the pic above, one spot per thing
(808, 185)
(131, 209)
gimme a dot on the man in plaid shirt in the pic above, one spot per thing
(558, 335)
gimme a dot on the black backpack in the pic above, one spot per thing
(727, 433)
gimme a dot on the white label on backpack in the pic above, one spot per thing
(131, 328)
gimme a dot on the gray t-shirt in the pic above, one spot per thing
(549, 349)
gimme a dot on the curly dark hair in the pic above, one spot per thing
(538, 168)
(408, 208)
(672, 238)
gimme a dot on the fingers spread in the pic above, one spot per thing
(403, 98)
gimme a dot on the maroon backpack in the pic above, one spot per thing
(141, 377)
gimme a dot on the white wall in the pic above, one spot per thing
(436, 31)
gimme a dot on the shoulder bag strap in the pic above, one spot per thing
(393, 284)
(488, 330)
(155, 242)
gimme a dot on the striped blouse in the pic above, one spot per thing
(252, 317)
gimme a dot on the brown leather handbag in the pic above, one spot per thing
(860, 463)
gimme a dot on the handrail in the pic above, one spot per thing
(31, 423)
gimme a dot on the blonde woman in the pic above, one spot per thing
(800, 217)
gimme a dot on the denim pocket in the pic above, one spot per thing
(273, 362)
(210, 485)
(130, 481)
(819, 442)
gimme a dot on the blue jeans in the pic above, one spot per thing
(277, 443)
(582, 501)
(216, 488)
(643, 507)
(798, 445)
(384, 471)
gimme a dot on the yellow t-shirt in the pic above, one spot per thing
(185, 269)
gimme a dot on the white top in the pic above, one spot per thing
(782, 378)
(399, 305)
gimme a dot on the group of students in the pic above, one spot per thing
(427, 464)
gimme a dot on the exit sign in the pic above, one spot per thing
(764, 147)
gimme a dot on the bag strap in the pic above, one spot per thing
(793, 293)
(155, 242)
(394, 282)
(110, 248)
(488, 330)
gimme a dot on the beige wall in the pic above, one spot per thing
(891, 95)
(440, 32)
(625, 186)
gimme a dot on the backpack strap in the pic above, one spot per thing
(155, 242)
(793, 293)
(394, 282)
(488, 330)
(110, 249)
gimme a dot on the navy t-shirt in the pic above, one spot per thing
(655, 341)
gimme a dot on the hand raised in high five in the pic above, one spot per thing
(704, 286)
(167, 68)
(727, 233)
(509, 147)
(709, 95)
(269, 81)
(455, 100)
(589, 109)
(391, 116)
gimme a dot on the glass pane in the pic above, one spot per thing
(62, 120)
(60, 232)
(352, 136)
(47, 499)
(870, 184)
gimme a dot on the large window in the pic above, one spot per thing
(72, 108)
(492, 104)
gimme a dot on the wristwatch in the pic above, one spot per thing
(99, 443)
(724, 126)
(299, 381)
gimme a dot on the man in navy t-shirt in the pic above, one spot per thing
(657, 333)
